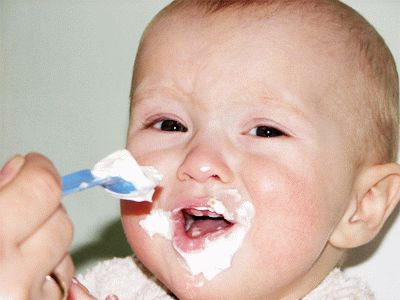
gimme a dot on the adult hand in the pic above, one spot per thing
(35, 231)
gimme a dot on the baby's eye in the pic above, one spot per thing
(266, 131)
(169, 125)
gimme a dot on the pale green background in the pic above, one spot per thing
(65, 71)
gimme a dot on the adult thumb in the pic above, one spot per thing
(11, 169)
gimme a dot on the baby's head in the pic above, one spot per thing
(277, 122)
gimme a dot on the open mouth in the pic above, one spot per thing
(199, 223)
(193, 226)
(204, 232)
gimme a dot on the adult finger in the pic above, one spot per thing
(32, 196)
(10, 169)
(45, 248)
(66, 269)
(57, 283)
(22, 285)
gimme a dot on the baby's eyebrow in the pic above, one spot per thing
(140, 95)
(279, 103)
(282, 103)
(285, 104)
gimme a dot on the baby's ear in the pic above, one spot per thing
(376, 194)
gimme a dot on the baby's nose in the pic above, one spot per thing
(202, 164)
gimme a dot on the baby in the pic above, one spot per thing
(275, 125)
(289, 106)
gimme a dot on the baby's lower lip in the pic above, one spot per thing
(191, 234)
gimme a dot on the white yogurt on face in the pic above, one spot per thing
(217, 207)
(122, 164)
(205, 169)
(158, 222)
(220, 208)
(217, 255)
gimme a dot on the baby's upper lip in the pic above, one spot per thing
(191, 202)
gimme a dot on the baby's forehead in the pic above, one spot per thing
(318, 28)
(268, 56)
(246, 35)
(306, 55)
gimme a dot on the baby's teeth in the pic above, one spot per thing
(213, 214)
(196, 213)
(202, 211)
(201, 208)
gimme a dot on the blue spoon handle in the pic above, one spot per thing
(81, 180)
(84, 179)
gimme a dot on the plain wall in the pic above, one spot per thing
(65, 72)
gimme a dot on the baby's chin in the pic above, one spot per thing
(197, 250)
(214, 289)
(244, 279)
(185, 285)
(161, 259)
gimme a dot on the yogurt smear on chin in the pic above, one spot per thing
(217, 254)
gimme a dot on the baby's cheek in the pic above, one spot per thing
(142, 245)
(131, 213)
(287, 224)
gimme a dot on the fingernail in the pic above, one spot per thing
(12, 166)
(75, 280)
(111, 297)
(78, 283)
(77, 289)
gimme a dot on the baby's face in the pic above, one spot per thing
(247, 110)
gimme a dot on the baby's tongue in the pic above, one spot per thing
(202, 227)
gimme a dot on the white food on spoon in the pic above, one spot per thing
(122, 164)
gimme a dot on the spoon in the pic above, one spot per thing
(119, 174)
(84, 179)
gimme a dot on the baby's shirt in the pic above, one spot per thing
(338, 286)
(124, 277)
(129, 280)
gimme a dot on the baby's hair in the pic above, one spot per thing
(375, 87)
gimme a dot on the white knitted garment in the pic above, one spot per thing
(127, 279)
(339, 286)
